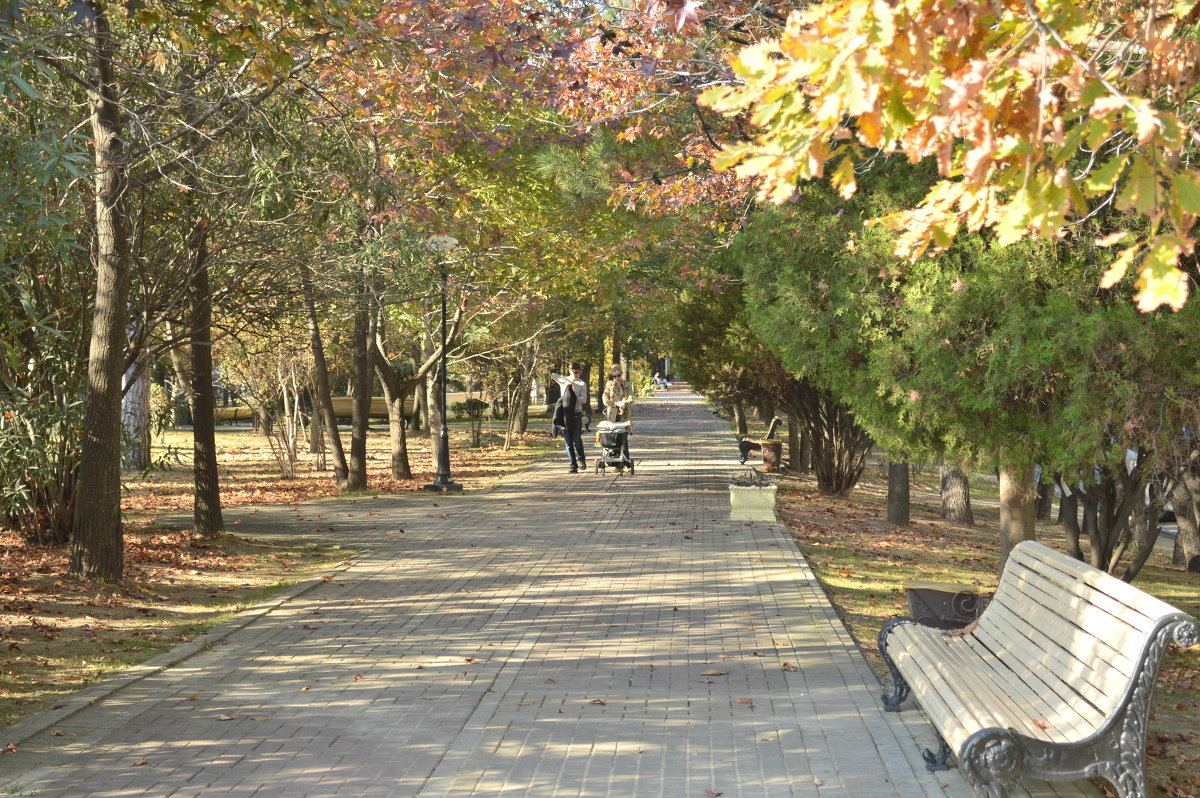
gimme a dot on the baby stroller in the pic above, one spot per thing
(613, 437)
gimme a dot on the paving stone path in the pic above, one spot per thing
(560, 635)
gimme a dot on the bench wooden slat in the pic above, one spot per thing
(1079, 657)
(1044, 665)
(1123, 592)
(989, 695)
(943, 708)
(1086, 650)
(1061, 706)
(1058, 704)
(1084, 613)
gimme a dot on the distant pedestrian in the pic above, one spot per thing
(618, 400)
(618, 395)
(568, 414)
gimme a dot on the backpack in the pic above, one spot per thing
(564, 408)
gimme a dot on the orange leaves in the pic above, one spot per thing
(680, 15)
(1015, 108)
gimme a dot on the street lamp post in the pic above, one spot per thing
(442, 482)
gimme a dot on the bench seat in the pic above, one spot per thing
(1054, 680)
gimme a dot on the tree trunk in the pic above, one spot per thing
(434, 414)
(398, 436)
(1068, 512)
(766, 412)
(321, 376)
(395, 393)
(795, 453)
(420, 422)
(739, 419)
(1108, 504)
(356, 478)
(1187, 515)
(1145, 530)
(314, 422)
(616, 348)
(517, 399)
(1016, 509)
(1059, 519)
(206, 512)
(956, 496)
(135, 415)
(1045, 500)
(839, 445)
(523, 400)
(181, 364)
(1089, 504)
(898, 503)
(97, 550)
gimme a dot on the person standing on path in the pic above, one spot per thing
(573, 418)
(618, 399)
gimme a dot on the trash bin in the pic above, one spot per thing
(943, 605)
(772, 454)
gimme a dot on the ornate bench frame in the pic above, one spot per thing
(992, 760)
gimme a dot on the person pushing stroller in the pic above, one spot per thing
(613, 432)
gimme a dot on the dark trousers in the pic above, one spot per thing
(573, 435)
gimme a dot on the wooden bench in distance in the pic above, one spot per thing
(1054, 681)
(231, 415)
(343, 405)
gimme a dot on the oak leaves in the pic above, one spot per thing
(1035, 117)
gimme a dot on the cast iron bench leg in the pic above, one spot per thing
(900, 688)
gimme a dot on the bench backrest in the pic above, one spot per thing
(1081, 629)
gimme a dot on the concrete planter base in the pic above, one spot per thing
(749, 503)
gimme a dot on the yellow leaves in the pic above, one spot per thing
(1106, 105)
(1141, 188)
(1007, 114)
(1183, 8)
(756, 63)
(1146, 119)
(1102, 179)
(870, 131)
(1120, 266)
(843, 178)
(1112, 239)
(1160, 280)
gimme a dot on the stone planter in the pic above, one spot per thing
(752, 503)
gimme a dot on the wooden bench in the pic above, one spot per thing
(234, 414)
(1053, 681)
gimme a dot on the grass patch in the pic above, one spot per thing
(249, 475)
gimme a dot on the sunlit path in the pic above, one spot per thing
(561, 635)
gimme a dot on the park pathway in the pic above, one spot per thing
(560, 635)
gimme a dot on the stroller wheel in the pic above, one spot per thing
(599, 467)
(630, 468)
